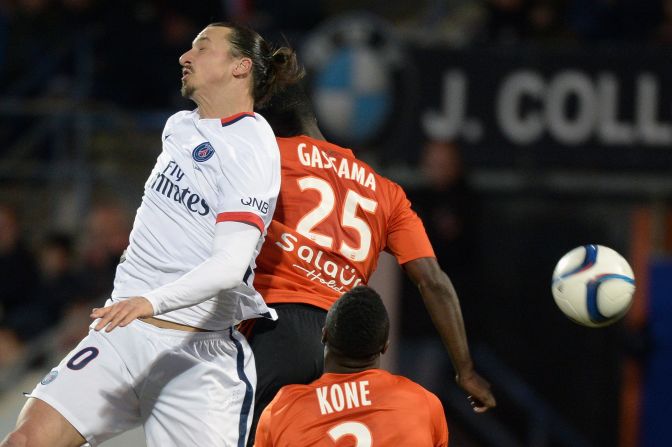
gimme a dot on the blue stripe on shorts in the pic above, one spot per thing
(249, 391)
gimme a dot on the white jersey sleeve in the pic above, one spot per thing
(209, 171)
(233, 248)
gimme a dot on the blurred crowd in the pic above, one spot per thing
(56, 279)
(128, 39)
(125, 41)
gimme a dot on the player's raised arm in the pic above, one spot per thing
(233, 249)
(443, 306)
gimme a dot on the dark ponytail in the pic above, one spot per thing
(284, 70)
(273, 68)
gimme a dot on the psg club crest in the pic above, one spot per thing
(203, 152)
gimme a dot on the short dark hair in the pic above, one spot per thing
(290, 111)
(273, 68)
(357, 325)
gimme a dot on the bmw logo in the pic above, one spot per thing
(354, 62)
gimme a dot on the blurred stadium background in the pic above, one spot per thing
(520, 129)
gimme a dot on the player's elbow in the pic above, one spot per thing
(234, 253)
(436, 283)
(234, 275)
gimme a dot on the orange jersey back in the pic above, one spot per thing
(372, 407)
(333, 217)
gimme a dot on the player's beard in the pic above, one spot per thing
(187, 90)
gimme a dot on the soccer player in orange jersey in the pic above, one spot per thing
(354, 403)
(334, 216)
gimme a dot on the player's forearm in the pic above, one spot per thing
(235, 244)
(444, 308)
(200, 284)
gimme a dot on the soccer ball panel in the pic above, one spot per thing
(593, 285)
(615, 296)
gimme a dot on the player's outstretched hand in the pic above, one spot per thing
(480, 397)
(122, 313)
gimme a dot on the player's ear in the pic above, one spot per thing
(243, 68)
(385, 346)
(324, 335)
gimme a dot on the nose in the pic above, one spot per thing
(185, 58)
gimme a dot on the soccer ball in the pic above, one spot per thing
(593, 285)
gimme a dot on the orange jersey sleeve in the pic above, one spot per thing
(373, 407)
(333, 217)
(406, 236)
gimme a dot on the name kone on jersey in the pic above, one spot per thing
(348, 169)
(341, 396)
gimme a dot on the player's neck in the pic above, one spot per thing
(311, 130)
(223, 106)
(344, 365)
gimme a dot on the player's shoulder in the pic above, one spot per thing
(240, 121)
(289, 394)
(390, 184)
(178, 122)
(393, 381)
(401, 382)
(307, 148)
(179, 116)
(242, 132)
(246, 123)
(307, 144)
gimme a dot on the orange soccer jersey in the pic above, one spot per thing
(333, 217)
(370, 408)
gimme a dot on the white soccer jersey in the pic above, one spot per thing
(209, 171)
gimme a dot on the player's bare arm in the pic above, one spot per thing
(443, 306)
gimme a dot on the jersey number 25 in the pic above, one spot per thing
(349, 219)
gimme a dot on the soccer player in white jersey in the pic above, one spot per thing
(175, 364)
